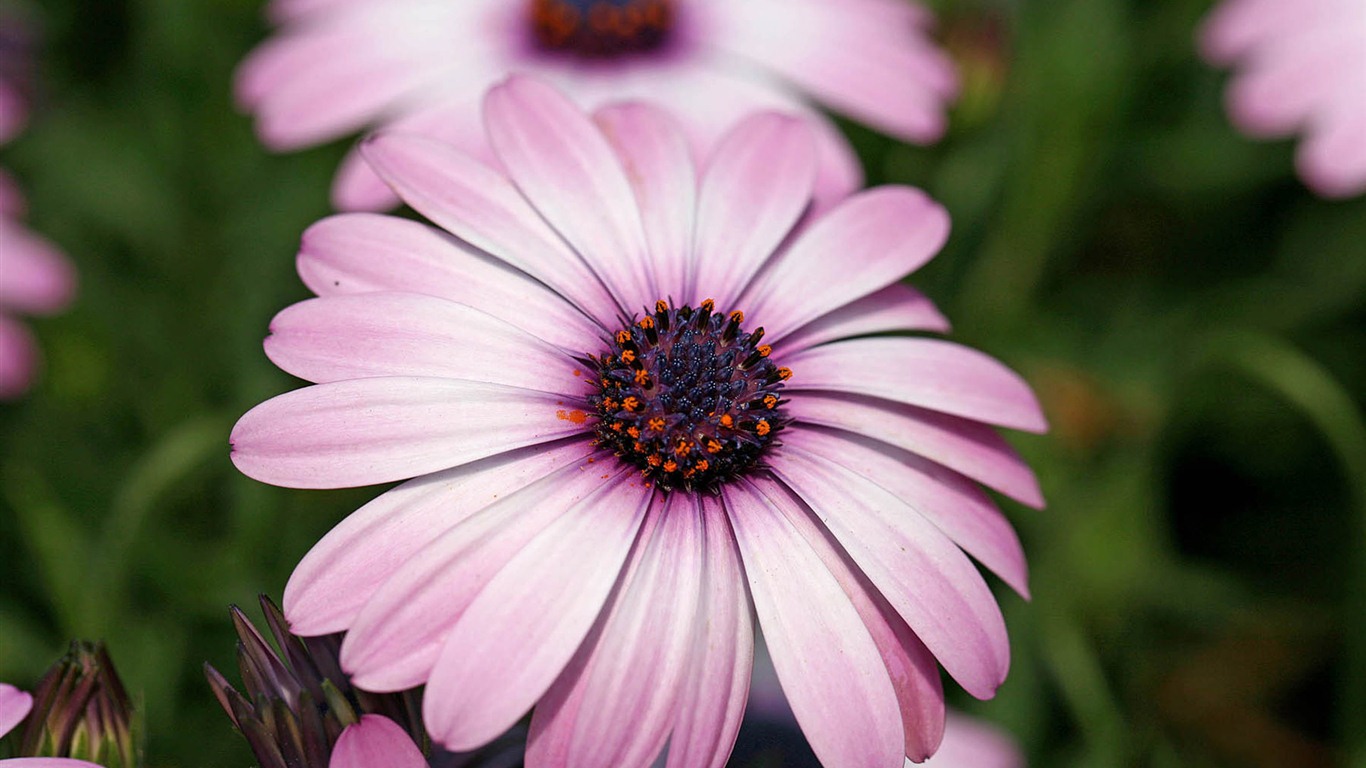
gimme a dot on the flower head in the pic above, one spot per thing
(636, 398)
(421, 66)
(1302, 69)
(78, 713)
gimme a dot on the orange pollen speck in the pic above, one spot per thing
(647, 322)
(784, 373)
(765, 351)
(708, 304)
(654, 460)
(683, 448)
(702, 465)
(628, 356)
(661, 306)
(713, 446)
(631, 403)
(771, 401)
(638, 448)
(616, 426)
(727, 421)
(623, 337)
(642, 378)
(633, 431)
(737, 316)
(762, 428)
(656, 424)
(578, 372)
(609, 403)
(670, 465)
(576, 416)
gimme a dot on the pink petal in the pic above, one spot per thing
(896, 308)
(829, 666)
(613, 706)
(929, 373)
(451, 116)
(948, 500)
(35, 278)
(409, 334)
(523, 628)
(969, 447)
(564, 166)
(310, 87)
(349, 565)
(712, 702)
(363, 253)
(1332, 157)
(398, 635)
(972, 743)
(910, 665)
(18, 358)
(658, 163)
(481, 207)
(866, 243)
(14, 707)
(376, 742)
(865, 65)
(365, 431)
(1295, 77)
(929, 581)
(756, 185)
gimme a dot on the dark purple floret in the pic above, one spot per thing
(688, 396)
(602, 28)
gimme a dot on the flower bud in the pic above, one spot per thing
(81, 710)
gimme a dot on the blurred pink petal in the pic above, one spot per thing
(1300, 69)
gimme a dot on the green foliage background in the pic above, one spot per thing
(1193, 319)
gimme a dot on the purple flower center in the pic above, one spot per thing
(602, 28)
(688, 396)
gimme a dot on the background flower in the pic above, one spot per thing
(34, 277)
(1301, 69)
(589, 478)
(422, 65)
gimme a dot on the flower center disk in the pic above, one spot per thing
(602, 28)
(689, 397)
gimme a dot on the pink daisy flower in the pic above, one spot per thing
(1302, 69)
(421, 66)
(633, 407)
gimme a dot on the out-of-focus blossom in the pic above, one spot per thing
(596, 485)
(35, 278)
(421, 66)
(79, 713)
(297, 709)
(1301, 68)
